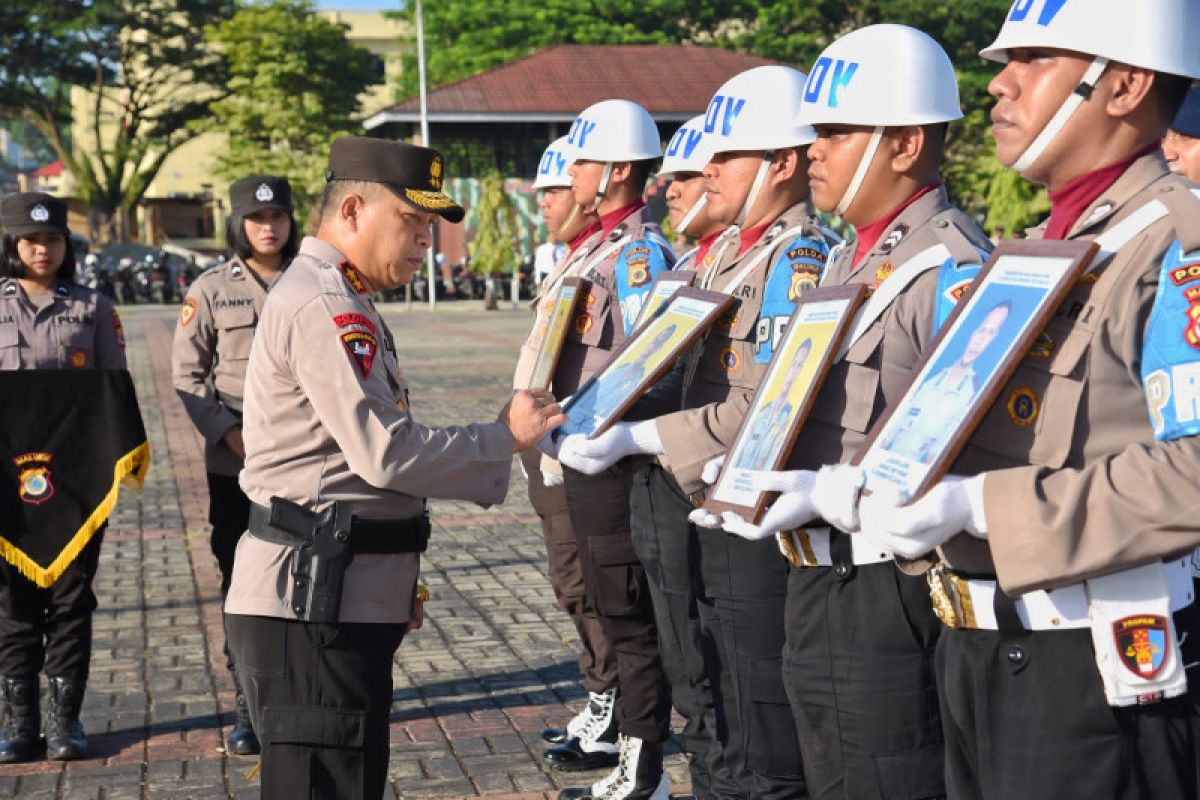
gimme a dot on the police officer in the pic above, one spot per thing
(209, 357)
(1066, 576)
(47, 321)
(858, 661)
(1181, 145)
(337, 471)
(771, 252)
(687, 207)
(615, 146)
(595, 724)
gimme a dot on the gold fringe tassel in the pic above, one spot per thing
(131, 470)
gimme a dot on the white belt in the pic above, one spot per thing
(809, 547)
(968, 603)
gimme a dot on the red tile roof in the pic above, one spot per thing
(669, 81)
(51, 170)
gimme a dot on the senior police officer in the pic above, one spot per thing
(209, 357)
(615, 145)
(1067, 556)
(47, 321)
(771, 252)
(595, 725)
(858, 662)
(1181, 145)
(337, 470)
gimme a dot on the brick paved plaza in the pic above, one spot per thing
(493, 665)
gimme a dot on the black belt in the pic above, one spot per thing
(367, 536)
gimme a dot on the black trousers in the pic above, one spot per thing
(49, 629)
(859, 672)
(1026, 717)
(320, 697)
(597, 662)
(616, 586)
(668, 548)
(229, 515)
(742, 613)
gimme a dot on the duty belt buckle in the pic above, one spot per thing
(943, 593)
(698, 498)
(787, 546)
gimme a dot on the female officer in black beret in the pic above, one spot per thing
(47, 321)
(209, 357)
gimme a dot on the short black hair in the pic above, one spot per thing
(11, 266)
(335, 190)
(640, 172)
(235, 237)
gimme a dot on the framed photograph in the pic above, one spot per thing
(664, 286)
(958, 379)
(786, 395)
(641, 360)
(561, 313)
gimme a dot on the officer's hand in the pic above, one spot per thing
(593, 456)
(793, 508)
(953, 506)
(529, 415)
(233, 438)
(836, 494)
(418, 617)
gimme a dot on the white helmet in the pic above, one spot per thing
(1157, 35)
(756, 110)
(614, 130)
(689, 149)
(880, 75)
(552, 169)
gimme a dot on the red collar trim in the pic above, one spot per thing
(1068, 203)
(582, 237)
(750, 237)
(612, 219)
(868, 235)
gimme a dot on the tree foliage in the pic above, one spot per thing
(144, 77)
(494, 250)
(294, 82)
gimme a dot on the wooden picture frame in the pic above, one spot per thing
(665, 285)
(821, 321)
(641, 360)
(562, 311)
(1008, 305)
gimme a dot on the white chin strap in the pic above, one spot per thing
(603, 187)
(860, 174)
(691, 215)
(1082, 92)
(759, 179)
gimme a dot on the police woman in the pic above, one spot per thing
(47, 321)
(211, 349)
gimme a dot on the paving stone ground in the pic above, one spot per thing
(494, 664)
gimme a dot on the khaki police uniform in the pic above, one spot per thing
(73, 327)
(1077, 487)
(598, 505)
(858, 661)
(738, 586)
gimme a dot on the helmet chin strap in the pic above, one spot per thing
(690, 217)
(860, 174)
(1082, 92)
(759, 179)
(602, 188)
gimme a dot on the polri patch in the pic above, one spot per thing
(187, 312)
(1023, 406)
(346, 320)
(1142, 643)
(33, 477)
(362, 348)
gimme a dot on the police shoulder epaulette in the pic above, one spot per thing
(10, 287)
(1182, 199)
(946, 227)
(62, 290)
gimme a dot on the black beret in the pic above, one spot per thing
(1187, 121)
(33, 212)
(258, 192)
(414, 174)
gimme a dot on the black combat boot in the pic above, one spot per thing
(600, 705)
(594, 745)
(243, 741)
(20, 738)
(639, 775)
(64, 735)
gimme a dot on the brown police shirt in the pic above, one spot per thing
(327, 418)
(211, 350)
(71, 327)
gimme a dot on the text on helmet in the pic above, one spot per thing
(843, 71)
(1050, 9)
(724, 110)
(685, 139)
(581, 129)
(553, 163)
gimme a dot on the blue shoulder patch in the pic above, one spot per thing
(953, 280)
(638, 263)
(1171, 350)
(798, 266)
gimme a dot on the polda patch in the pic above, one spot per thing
(362, 347)
(33, 477)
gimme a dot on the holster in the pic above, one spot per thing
(319, 563)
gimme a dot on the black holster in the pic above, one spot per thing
(318, 564)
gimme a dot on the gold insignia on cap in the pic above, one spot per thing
(435, 172)
(430, 200)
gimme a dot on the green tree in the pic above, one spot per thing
(1012, 202)
(139, 79)
(294, 82)
(494, 251)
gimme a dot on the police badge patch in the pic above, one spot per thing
(79, 359)
(1143, 644)
(264, 194)
(34, 477)
(729, 359)
(1023, 406)
(39, 213)
(362, 348)
(187, 312)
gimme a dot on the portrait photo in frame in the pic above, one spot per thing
(562, 311)
(961, 374)
(784, 398)
(665, 285)
(641, 360)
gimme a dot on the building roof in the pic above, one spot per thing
(51, 170)
(672, 82)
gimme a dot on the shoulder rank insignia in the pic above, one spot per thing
(350, 273)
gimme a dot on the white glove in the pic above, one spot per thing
(713, 469)
(836, 495)
(953, 506)
(703, 518)
(793, 509)
(552, 479)
(593, 456)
